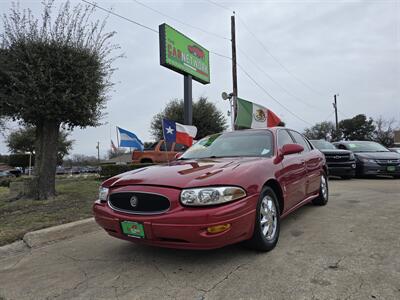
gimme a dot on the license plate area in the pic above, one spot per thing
(391, 168)
(134, 229)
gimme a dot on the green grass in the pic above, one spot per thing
(73, 202)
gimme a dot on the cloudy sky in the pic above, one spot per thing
(297, 53)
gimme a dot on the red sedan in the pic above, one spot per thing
(227, 188)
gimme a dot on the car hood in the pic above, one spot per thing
(378, 155)
(334, 151)
(190, 173)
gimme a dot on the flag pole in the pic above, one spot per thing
(119, 158)
(165, 140)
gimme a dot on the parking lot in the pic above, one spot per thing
(349, 249)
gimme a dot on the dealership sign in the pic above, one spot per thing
(183, 55)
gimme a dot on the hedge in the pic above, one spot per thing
(108, 170)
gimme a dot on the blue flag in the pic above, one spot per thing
(129, 139)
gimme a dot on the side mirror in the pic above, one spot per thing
(291, 149)
(177, 155)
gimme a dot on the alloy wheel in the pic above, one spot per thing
(268, 217)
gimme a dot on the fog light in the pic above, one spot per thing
(218, 228)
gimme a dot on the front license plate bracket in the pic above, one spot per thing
(134, 229)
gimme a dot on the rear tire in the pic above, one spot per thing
(323, 196)
(267, 222)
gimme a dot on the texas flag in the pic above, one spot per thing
(178, 133)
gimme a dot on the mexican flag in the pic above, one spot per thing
(251, 115)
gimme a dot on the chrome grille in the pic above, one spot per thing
(138, 202)
(389, 162)
(337, 157)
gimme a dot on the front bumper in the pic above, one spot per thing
(342, 169)
(183, 227)
(376, 169)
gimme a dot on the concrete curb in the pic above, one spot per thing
(49, 235)
(39, 238)
(13, 249)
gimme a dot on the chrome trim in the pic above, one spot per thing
(138, 213)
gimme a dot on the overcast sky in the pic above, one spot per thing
(318, 48)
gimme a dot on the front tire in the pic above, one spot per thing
(323, 196)
(267, 222)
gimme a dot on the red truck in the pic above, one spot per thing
(158, 153)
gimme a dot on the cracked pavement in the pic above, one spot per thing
(349, 249)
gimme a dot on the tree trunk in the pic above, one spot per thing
(45, 160)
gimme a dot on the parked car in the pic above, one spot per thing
(340, 162)
(227, 188)
(372, 158)
(5, 178)
(395, 149)
(158, 153)
(16, 172)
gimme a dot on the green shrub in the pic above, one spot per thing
(108, 170)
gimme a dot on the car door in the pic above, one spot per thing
(313, 164)
(293, 173)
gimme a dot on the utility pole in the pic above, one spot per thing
(98, 152)
(336, 137)
(234, 68)
(336, 117)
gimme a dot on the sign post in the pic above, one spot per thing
(181, 54)
(187, 100)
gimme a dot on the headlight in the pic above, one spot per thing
(211, 195)
(352, 157)
(103, 194)
(368, 160)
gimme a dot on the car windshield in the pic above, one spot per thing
(366, 147)
(323, 145)
(238, 143)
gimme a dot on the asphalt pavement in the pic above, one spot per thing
(349, 249)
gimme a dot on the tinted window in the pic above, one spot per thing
(151, 146)
(180, 147)
(365, 146)
(162, 146)
(284, 138)
(237, 143)
(323, 145)
(300, 140)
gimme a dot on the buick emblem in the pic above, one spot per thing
(134, 201)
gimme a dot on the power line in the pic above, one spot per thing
(221, 6)
(277, 60)
(141, 25)
(276, 82)
(215, 53)
(266, 49)
(180, 21)
(272, 97)
(118, 15)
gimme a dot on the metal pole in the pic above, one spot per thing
(119, 158)
(234, 69)
(187, 100)
(30, 164)
(336, 116)
(98, 153)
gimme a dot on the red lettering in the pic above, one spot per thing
(179, 54)
(169, 50)
(174, 52)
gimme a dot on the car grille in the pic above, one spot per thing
(386, 162)
(337, 157)
(139, 203)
